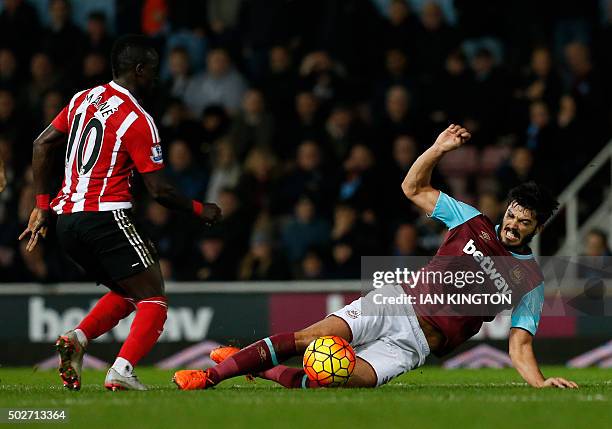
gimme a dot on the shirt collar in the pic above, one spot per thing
(119, 88)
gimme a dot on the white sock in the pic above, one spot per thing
(81, 337)
(123, 367)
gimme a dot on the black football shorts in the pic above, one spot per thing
(105, 244)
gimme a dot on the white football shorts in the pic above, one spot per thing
(386, 335)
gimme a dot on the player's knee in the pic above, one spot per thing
(142, 286)
(145, 293)
(332, 325)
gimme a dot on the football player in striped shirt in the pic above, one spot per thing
(106, 134)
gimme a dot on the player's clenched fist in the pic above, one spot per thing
(211, 213)
(452, 137)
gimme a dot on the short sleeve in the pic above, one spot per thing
(452, 212)
(60, 122)
(143, 146)
(526, 315)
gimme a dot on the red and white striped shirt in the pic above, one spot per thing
(109, 134)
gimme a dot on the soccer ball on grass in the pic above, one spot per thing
(329, 361)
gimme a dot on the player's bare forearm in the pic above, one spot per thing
(524, 360)
(45, 146)
(417, 183)
(166, 194)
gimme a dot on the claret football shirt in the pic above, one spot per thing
(469, 232)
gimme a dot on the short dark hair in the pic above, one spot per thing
(536, 198)
(128, 51)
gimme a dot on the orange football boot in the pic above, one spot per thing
(221, 353)
(192, 379)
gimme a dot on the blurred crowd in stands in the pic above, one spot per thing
(300, 119)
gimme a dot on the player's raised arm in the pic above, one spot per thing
(45, 145)
(417, 184)
(168, 196)
(523, 359)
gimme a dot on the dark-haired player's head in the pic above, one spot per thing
(135, 62)
(529, 207)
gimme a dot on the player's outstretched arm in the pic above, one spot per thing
(45, 146)
(168, 196)
(523, 359)
(417, 184)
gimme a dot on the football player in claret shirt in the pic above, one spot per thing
(105, 135)
(388, 343)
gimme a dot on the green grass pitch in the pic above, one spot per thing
(429, 397)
